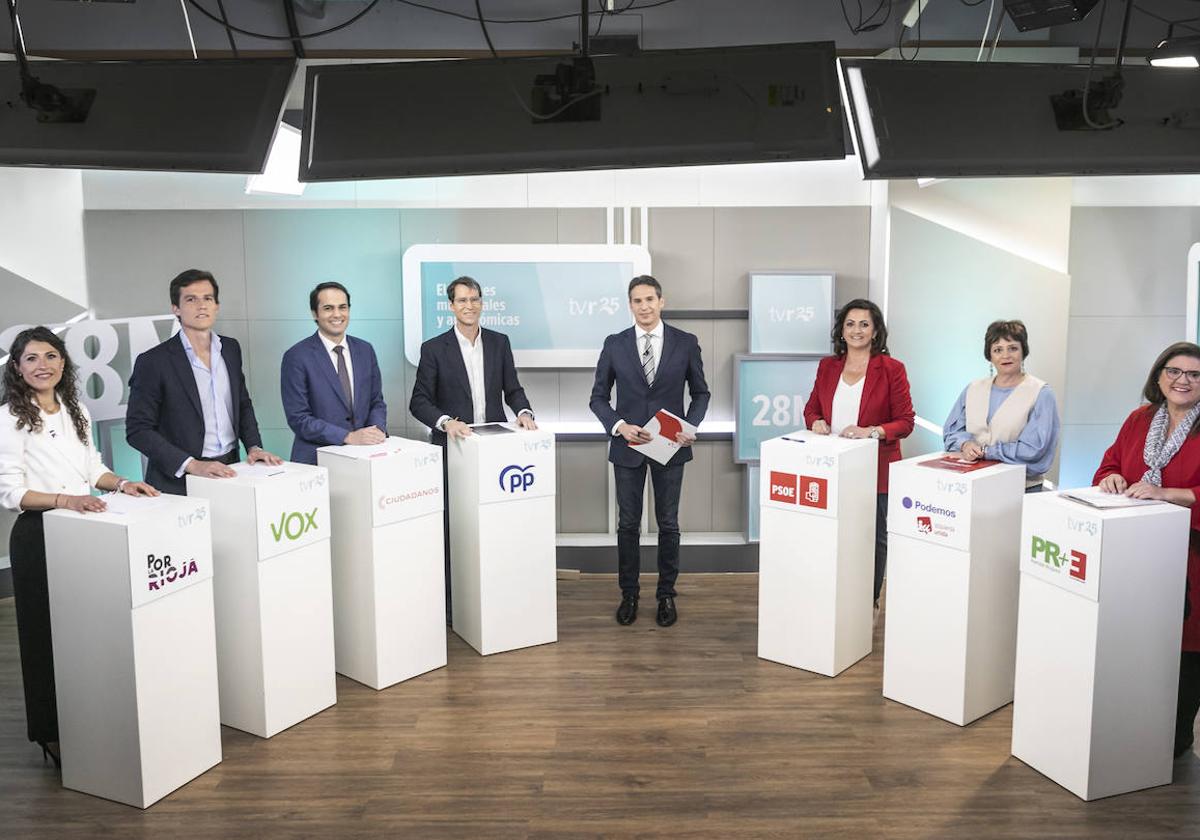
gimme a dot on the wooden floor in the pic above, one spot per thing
(613, 732)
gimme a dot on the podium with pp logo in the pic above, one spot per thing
(135, 662)
(951, 619)
(272, 589)
(502, 538)
(816, 551)
(388, 558)
(1098, 630)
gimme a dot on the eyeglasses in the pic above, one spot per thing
(1174, 373)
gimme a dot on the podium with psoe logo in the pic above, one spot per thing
(816, 551)
(1098, 637)
(135, 662)
(951, 619)
(389, 583)
(272, 589)
(502, 538)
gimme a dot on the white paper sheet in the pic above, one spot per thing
(663, 426)
(1097, 498)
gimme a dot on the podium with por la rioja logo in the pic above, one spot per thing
(1098, 633)
(503, 576)
(951, 619)
(388, 557)
(272, 590)
(816, 550)
(135, 660)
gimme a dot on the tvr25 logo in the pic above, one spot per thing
(1051, 556)
(515, 478)
(294, 525)
(198, 515)
(958, 487)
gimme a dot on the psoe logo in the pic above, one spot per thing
(1083, 526)
(1050, 555)
(161, 571)
(316, 481)
(814, 492)
(198, 515)
(515, 477)
(959, 487)
(783, 487)
(294, 525)
(386, 501)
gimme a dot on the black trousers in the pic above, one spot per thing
(1189, 698)
(667, 482)
(881, 503)
(31, 595)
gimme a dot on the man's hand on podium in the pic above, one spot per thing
(209, 469)
(138, 488)
(257, 454)
(457, 429)
(366, 436)
(634, 434)
(525, 421)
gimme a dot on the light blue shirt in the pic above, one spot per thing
(1034, 447)
(216, 399)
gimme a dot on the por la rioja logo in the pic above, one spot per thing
(294, 525)
(161, 571)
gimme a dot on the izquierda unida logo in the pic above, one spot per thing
(516, 479)
(162, 571)
(294, 524)
(387, 500)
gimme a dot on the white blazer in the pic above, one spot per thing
(51, 460)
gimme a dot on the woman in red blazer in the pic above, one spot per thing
(1167, 431)
(861, 391)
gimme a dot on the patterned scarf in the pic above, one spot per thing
(1159, 450)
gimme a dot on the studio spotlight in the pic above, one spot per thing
(1177, 52)
(281, 174)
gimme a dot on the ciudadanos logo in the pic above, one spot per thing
(515, 478)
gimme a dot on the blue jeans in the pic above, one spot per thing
(667, 482)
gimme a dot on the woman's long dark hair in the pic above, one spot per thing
(1152, 393)
(878, 342)
(20, 398)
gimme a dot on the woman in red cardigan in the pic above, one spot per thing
(861, 391)
(1157, 456)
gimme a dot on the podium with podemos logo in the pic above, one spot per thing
(272, 589)
(816, 551)
(1098, 638)
(135, 662)
(389, 580)
(951, 620)
(502, 538)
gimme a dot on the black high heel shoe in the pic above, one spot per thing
(52, 752)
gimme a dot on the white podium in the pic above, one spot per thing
(135, 661)
(951, 620)
(503, 574)
(1098, 635)
(816, 561)
(272, 591)
(389, 580)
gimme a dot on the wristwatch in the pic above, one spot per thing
(877, 433)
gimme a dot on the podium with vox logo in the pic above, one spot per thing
(272, 588)
(816, 551)
(135, 660)
(951, 621)
(502, 538)
(388, 559)
(1098, 635)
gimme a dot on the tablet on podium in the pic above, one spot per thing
(135, 661)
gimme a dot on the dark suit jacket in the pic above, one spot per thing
(621, 363)
(442, 386)
(313, 401)
(886, 403)
(163, 419)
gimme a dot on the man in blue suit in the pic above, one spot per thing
(330, 382)
(650, 363)
(188, 404)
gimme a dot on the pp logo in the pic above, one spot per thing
(814, 492)
(514, 478)
(1051, 556)
(783, 487)
(924, 525)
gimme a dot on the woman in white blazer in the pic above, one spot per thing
(47, 461)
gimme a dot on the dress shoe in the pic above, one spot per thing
(627, 612)
(50, 750)
(666, 612)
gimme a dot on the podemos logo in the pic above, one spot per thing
(1049, 555)
(161, 571)
(294, 525)
(515, 477)
(936, 520)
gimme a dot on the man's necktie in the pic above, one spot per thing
(648, 360)
(344, 375)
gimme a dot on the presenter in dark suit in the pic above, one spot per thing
(649, 363)
(861, 391)
(330, 382)
(465, 376)
(188, 405)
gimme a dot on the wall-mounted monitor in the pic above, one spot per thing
(791, 311)
(769, 393)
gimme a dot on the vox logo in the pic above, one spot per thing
(1051, 556)
(814, 492)
(783, 487)
(294, 525)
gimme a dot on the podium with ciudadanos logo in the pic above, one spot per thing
(272, 592)
(816, 551)
(502, 537)
(135, 661)
(389, 584)
(951, 618)
(1098, 638)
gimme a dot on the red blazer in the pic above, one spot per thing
(886, 403)
(1124, 458)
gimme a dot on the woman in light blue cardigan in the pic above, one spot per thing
(1010, 416)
